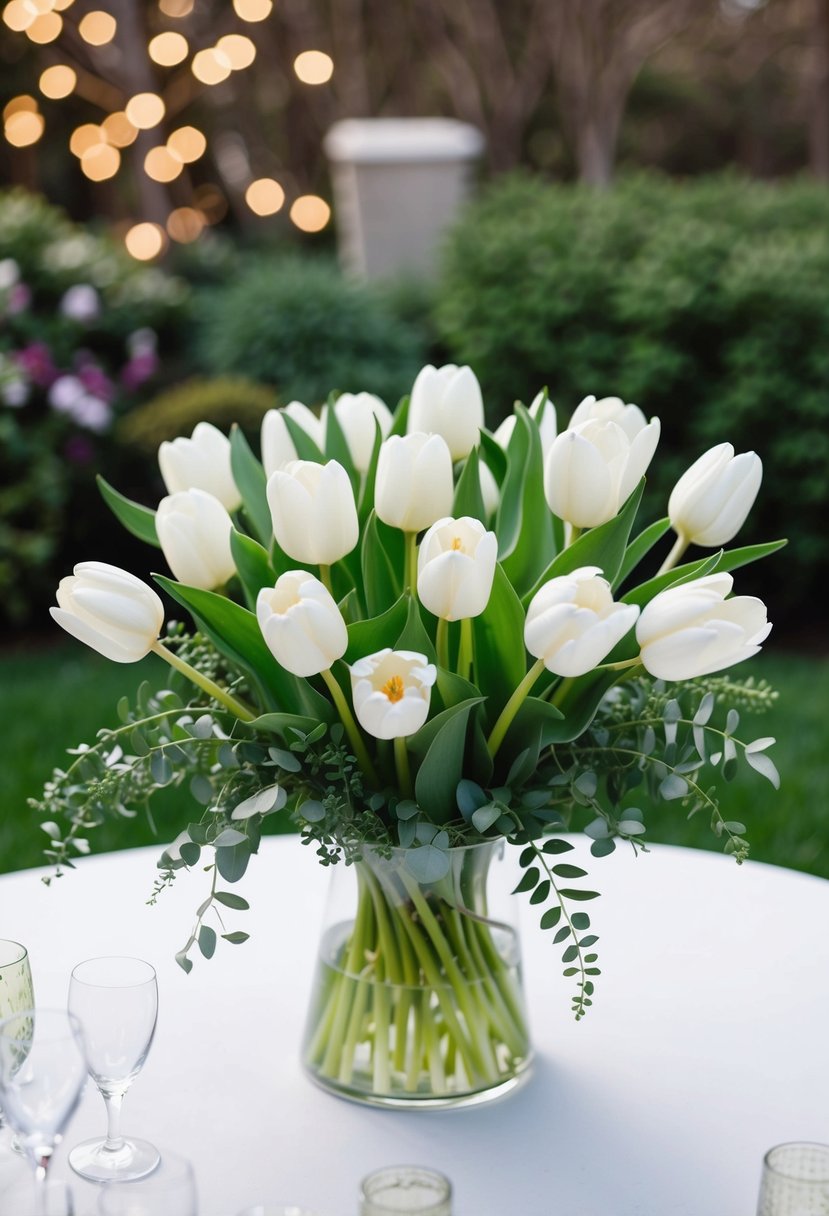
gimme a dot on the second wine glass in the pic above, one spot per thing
(116, 999)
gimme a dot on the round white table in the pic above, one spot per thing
(706, 1045)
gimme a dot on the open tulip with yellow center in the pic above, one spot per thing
(391, 691)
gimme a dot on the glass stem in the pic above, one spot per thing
(42, 1160)
(114, 1140)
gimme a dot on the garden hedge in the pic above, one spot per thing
(706, 302)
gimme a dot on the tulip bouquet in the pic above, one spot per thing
(417, 637)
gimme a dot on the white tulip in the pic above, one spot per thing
(201, 462)
(391, 691)
(610, 409)
(544, 413)
(447, 401)
(313, 511)
(592, 470)
(710, 502)
(110, 610)
(301, 624)
(194, 533)
(276, 444)
(414, 485)
(356, 414)
(692, 629)
(455, 568)
(573, 623)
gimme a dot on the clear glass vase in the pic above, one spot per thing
(418, 999)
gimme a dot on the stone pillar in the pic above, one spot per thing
(398, 183)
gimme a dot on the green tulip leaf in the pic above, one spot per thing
(306, 449)
(366, 498)
(500, 659)
(494, 455)
(138, 520)
(645, 592)
(336, 445)
(524, 523)
(377, 632)
(253, 565)
(442, 767)
(640, 547)
(468, 498)
(382, 562)
(413, 636)
(400, 416)
(251, 482)
(603, 546)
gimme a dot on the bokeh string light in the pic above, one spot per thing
(98, 146)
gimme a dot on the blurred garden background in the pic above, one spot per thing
(648, 218)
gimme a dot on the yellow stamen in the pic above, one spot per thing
(393, 688)
(457, 543)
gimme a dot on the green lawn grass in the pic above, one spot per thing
(58, 696)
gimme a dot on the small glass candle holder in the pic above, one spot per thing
(412, 1189)
(795, 1180)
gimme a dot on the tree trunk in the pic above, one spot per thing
(819, 112)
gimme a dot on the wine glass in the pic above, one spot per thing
(795, 1180)
(116, 998)
(16, 991)
(168, 1191)
(43, 1071)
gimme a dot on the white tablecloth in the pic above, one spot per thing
(706, 1045)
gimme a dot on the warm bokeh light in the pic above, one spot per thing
(61, 5)
(211, 66)
(45, 28)
(57, 81)
(118, 130)
(211, 202)
(161, 165)
(23, 102)
(100, 162)
(239, 50)
(168, 49)
(39, 7)
(185, 224)
(24, 128)
(187, 144)
(310, 213)
(176, 8)
(86, 137)
(145, 110)
(145, 241)
(97, 28)
(314, 67)
(253, 10)
(264, 196)
(18, 16)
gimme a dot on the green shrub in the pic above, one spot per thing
(298, 324)
(222, 401)
(85, 333)
(704, 301)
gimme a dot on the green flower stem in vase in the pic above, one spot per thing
(418, 997)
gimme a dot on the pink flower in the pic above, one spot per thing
(36, 361)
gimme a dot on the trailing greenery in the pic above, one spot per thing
(706, 301)
(298, 324)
